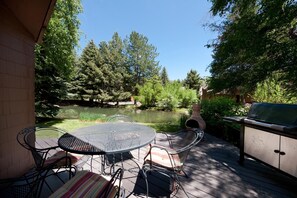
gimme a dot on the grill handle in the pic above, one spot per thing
(276, 151)
(280, 152)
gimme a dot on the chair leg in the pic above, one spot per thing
(185, 174)
(91, 163)
(180, 185)
(103, 161)
(146, 182)
(122, 193)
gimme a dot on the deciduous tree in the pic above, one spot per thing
(273, 90)
(55, 57)
(255, 39)
(149, 92)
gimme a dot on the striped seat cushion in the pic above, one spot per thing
(59, 155)
(161, 157)
(85, 184)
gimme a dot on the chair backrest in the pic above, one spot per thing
(40, 150)
(117, 176)
(119, 118)
(38, 156)
(183, 142)
(22, 134)
(47, 137)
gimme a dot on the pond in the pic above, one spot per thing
(144, 116)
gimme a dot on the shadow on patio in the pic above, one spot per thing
(213, 172)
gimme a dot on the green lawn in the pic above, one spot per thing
(73, 124)
(67, 124)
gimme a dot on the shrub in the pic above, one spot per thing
(273, 90)
(148, 93)
(168, 102)
(213, 111)
(168, 99)
(188, 97)
(174, 95)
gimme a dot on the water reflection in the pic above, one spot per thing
(145, 116)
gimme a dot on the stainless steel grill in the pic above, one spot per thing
(269, 134)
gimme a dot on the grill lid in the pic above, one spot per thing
(279, 114)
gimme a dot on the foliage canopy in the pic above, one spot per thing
(113, 70)
(256, 38)
(141, 57)
(54, 58)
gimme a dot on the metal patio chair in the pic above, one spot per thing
(46, 153)
(120, 118)
(170, 159)
(27, 185)
(89, 184)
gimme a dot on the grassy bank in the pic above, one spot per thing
(71, 118)
(73, 124)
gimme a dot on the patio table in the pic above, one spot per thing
(107, 138)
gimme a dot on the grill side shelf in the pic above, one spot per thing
(237, 119)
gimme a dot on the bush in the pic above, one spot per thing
(174, 95)
(188, 97)
(169, 97)
(148, 93)
(273, 90)
(213, 111)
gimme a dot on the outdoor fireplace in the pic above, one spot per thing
(195, 121)
(269, 134)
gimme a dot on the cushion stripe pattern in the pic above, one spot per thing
(161, 157)
(85, 184)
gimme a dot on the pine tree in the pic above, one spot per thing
(193, 80)
(141, 59)
(164, 76)
(120, 76)
(88, 74)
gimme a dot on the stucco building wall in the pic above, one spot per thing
(16, 92)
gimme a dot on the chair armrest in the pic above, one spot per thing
(48, 148)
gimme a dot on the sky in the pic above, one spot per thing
(174, 27)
